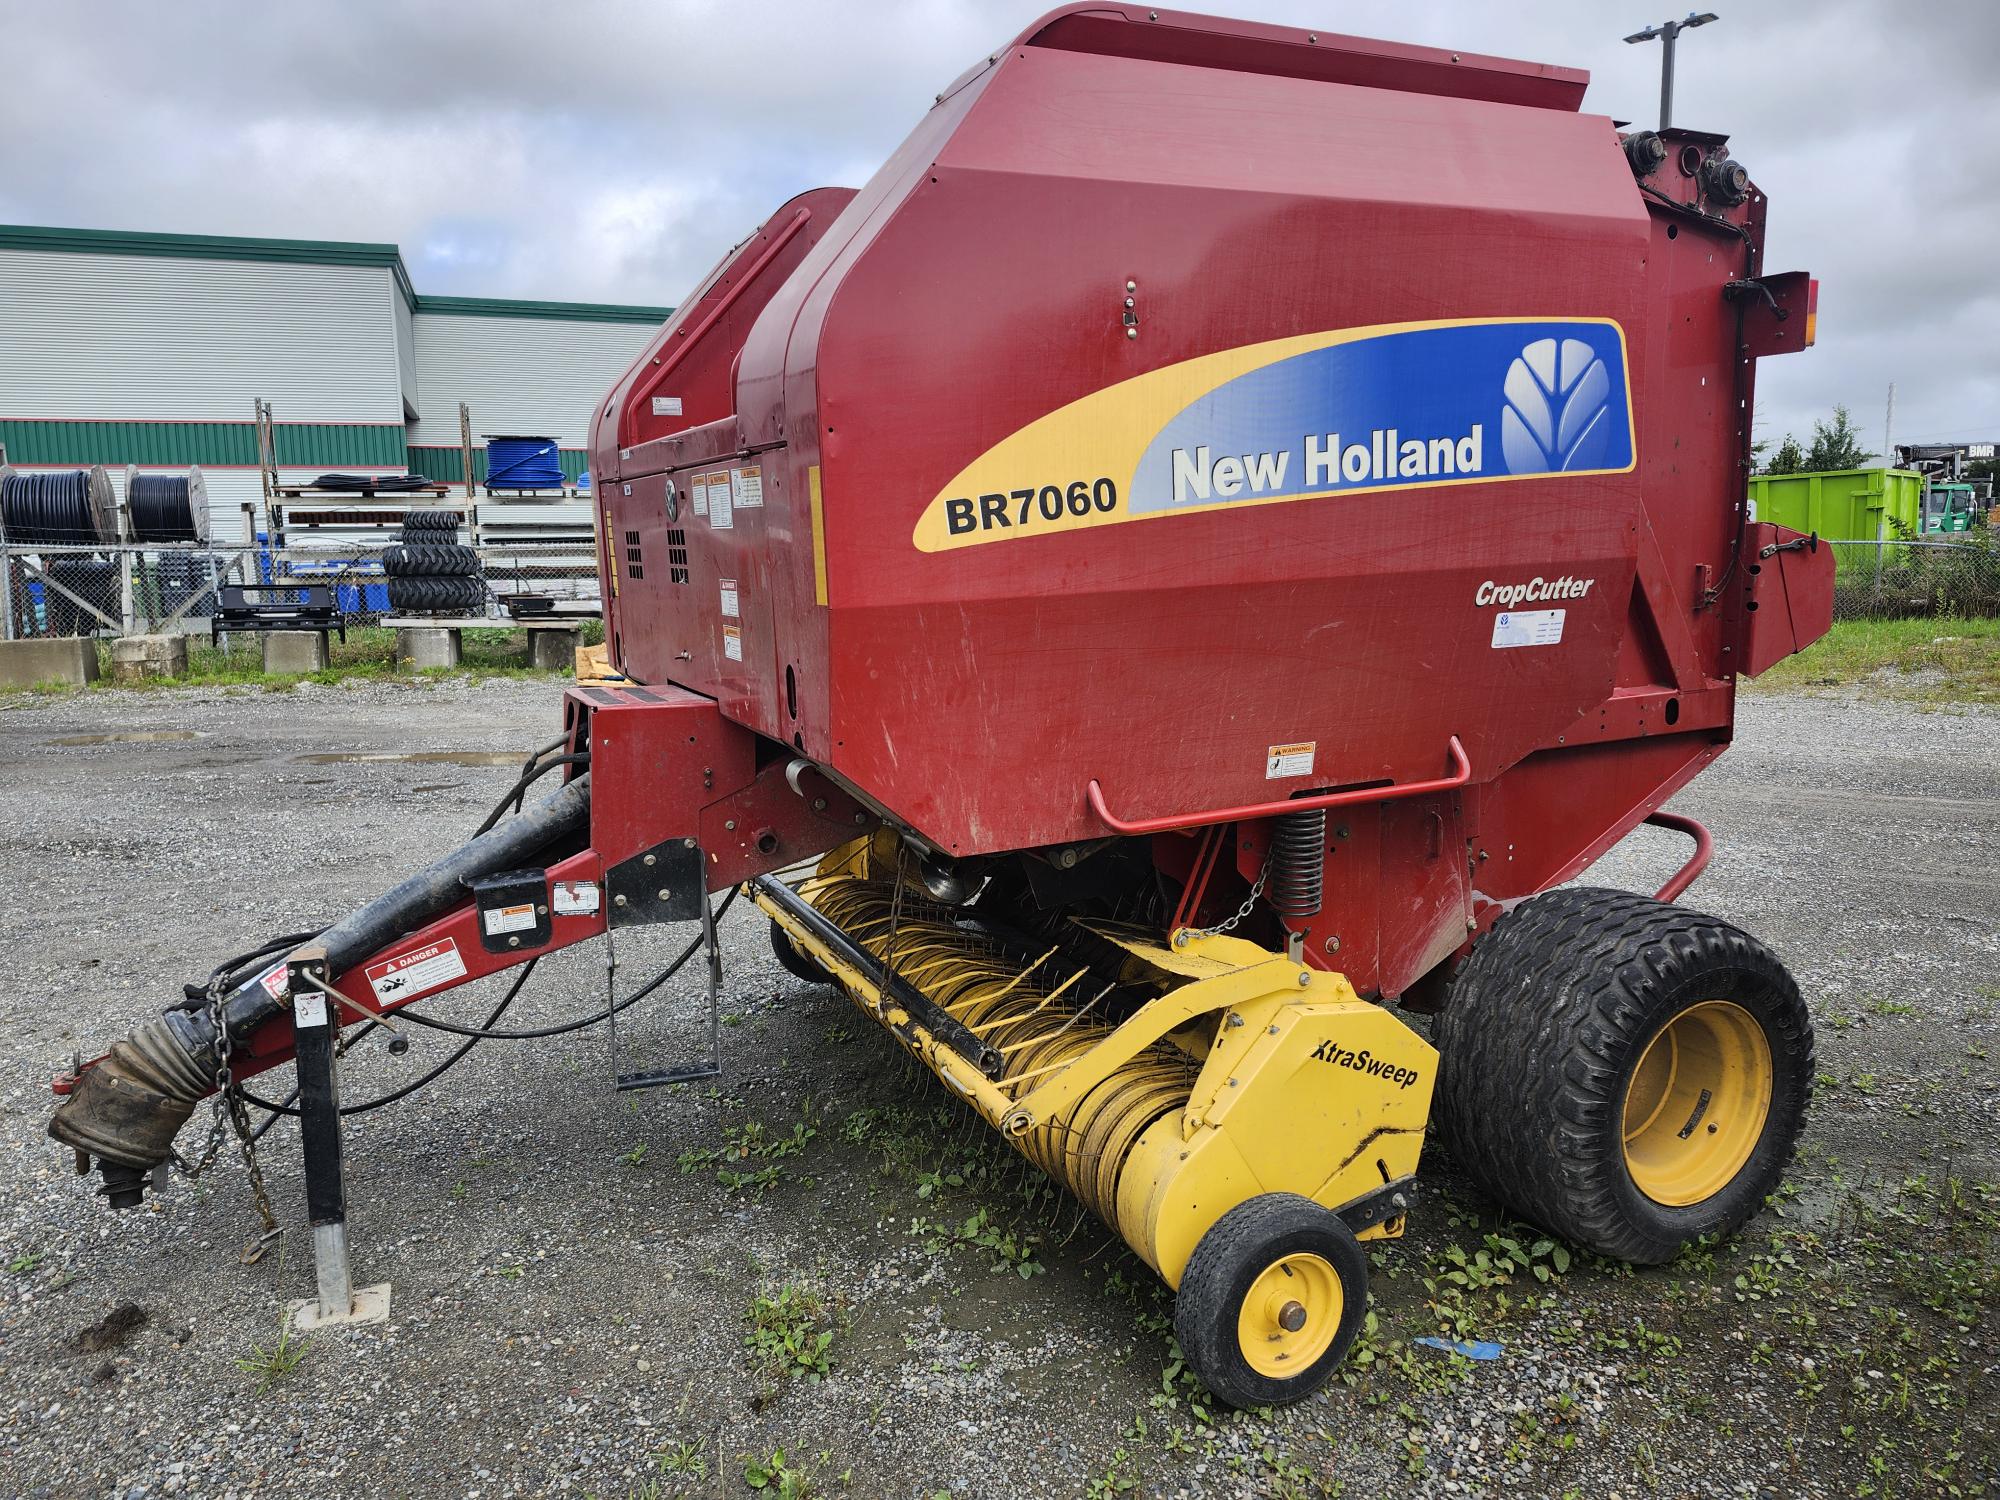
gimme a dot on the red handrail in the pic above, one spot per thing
(1704, 850)
(1461, 774)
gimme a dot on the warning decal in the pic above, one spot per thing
(720, 514)
(501, 919)
(728, 586)
(746, 486)
(411, 974)
(732, 642)
(575, 898)
(1289, 760)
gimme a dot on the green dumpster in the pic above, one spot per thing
(1845, 505)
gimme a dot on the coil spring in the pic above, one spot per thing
(1038, 1019)
(1298, 863)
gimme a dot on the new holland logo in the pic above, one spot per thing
(1558, 416)
(1330, 1051)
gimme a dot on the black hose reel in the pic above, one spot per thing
(162, 509)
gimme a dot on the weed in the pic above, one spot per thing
(275, 1363)
(684, 1458)
(791, 1331)
(636, 1157)
(1117, 1478)
(751, 1143)
(774, 1472)
(26, 1261)
(1005, 1249)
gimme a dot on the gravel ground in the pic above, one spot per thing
(574, 1269)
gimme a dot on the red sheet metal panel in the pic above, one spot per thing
(1226, 412)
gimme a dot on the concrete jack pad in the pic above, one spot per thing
(138, 658)
(552, 650)
(294, 651)
(68, 659)
(427, 647)
(371, 1305)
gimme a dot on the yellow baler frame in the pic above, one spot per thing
(1301, 1087)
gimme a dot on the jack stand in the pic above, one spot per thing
(653, 1078)
(316, 1031)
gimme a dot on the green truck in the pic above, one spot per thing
(1950, 506)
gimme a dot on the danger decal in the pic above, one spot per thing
(416, 972)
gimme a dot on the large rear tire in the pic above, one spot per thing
(1627, 1073)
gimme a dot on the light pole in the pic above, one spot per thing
(1667, 32)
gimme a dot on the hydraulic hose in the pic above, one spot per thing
(485, 1032)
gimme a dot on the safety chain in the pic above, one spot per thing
(1242, 911)
(228, 1110)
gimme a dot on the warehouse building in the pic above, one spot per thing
(153, 349)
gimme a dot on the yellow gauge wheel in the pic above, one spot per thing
(1290, 1315)
(1271, 1300)
(1697, 1103)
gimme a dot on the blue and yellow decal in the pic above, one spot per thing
(1348, 412)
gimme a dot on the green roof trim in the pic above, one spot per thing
(448, 464)
(206, 247)
(301, 445)
(315, 253)
(568, 312)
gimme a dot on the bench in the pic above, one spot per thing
(293, 618)
(296, 606)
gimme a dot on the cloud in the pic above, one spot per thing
(611, 149)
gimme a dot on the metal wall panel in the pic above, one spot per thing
(159, 337)
(533, 376)
(406, 354)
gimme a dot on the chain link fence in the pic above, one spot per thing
(1917, 578)
(111, 591)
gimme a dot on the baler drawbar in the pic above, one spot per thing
(1192, 560)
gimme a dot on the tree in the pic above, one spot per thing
(1789, 459)
(1836, 445)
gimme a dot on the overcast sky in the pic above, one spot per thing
(609, 150)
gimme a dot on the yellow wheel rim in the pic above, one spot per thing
(1697, 1103)
(1290, 1315)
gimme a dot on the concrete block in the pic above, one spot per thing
(552, 650)
(137, 658)
(429, 646)
(288, 651)
(62, 659)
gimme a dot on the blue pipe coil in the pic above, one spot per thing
(523, 463)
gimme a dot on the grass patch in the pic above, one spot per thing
(1939, 660)
(368, 654)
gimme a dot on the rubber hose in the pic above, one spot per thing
(161, 507)
(53, 509)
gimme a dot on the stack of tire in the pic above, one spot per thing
(429, 573)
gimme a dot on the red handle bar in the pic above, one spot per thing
(1461, 774)
(1704, 850)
